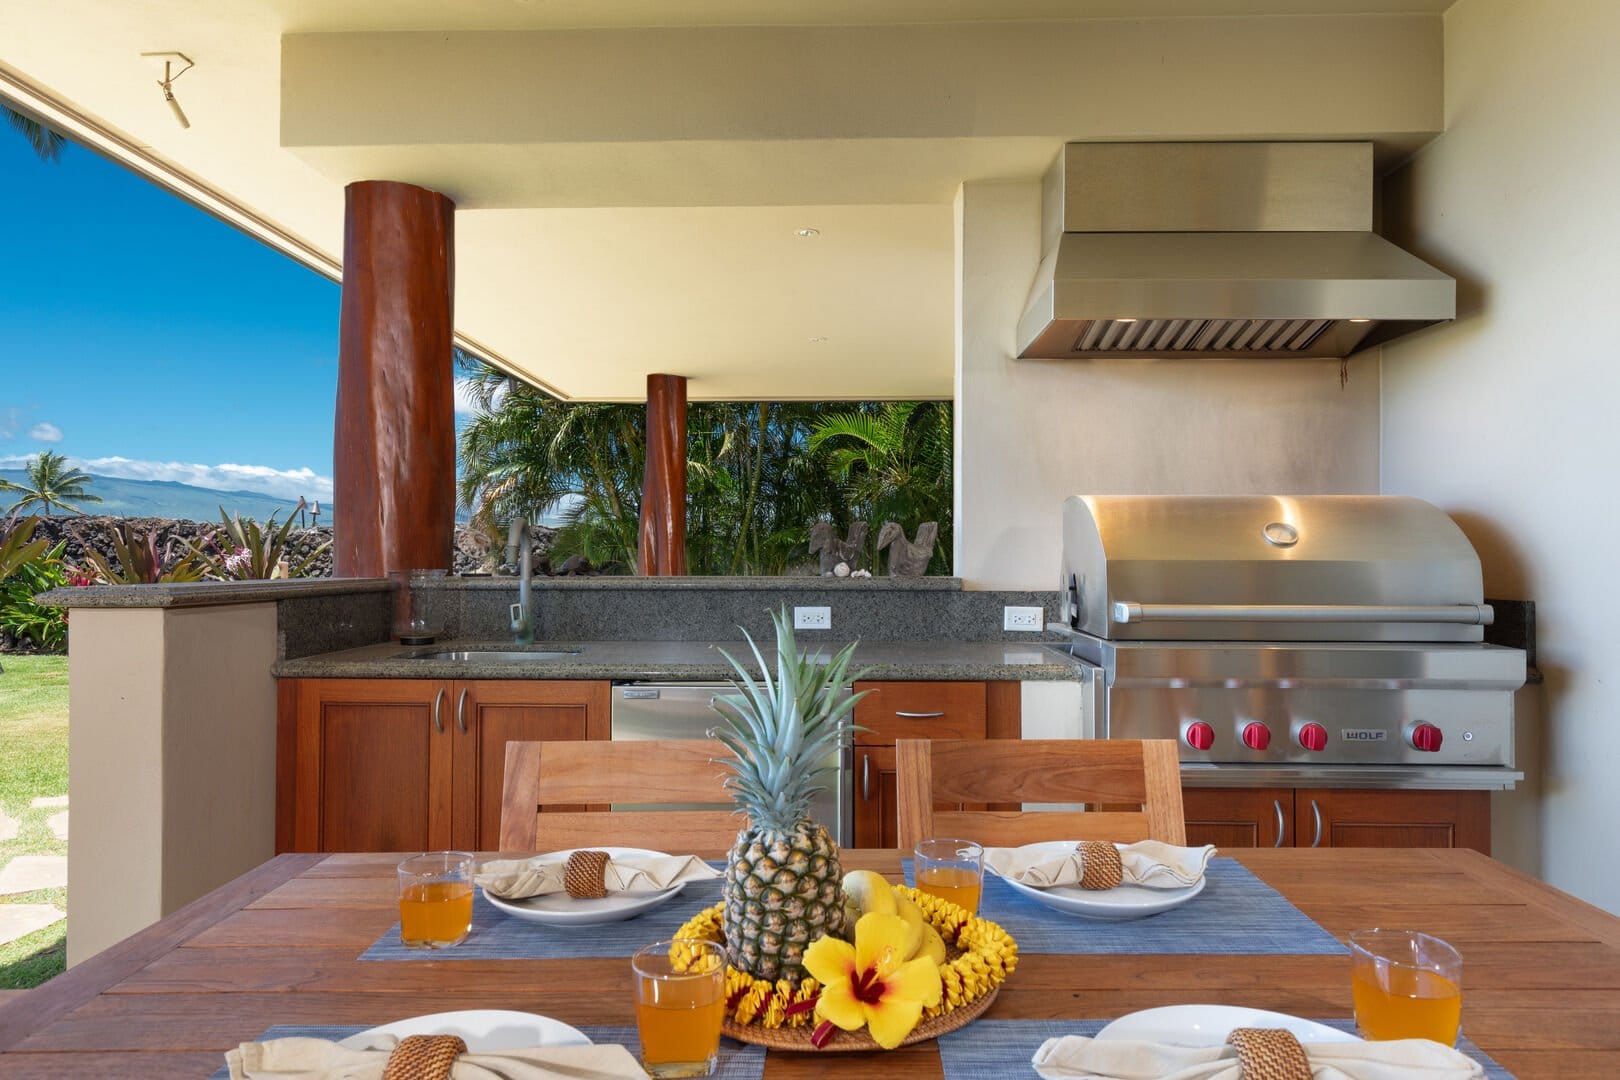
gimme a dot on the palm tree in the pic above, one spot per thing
(51, 482)
(46, 142)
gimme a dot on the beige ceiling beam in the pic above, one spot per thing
(841, 114)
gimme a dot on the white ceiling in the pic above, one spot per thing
(645, 221)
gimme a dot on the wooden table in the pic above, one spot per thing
(279, 945)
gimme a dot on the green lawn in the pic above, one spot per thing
(33, 763)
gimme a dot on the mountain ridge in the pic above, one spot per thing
(122, 497)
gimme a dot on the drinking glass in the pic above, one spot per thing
(680, 1003)
(435, 899)
(1405, 985)
(952, 870)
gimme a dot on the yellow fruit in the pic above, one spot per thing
(933, 946)
(915, 923)
(869, 893)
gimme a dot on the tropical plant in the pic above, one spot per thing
(16, 549)
(256, 553)
(47, 143)
(783, 884)
(895, 460)
(21, 616)
(140, 561)
(51, 481)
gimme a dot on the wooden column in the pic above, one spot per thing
(663, 493)
(394, 455)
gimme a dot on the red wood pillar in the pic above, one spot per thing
(663, 493)
(394, 455)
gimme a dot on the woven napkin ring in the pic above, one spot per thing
(1100, 867)
(1270, 1054)
(583, 875)
(423, 1057)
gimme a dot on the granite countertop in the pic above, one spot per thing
(682, 660)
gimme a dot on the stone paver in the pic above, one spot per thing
(49, 801)
(20, 920)
(58, 824)
(30, 873)
(8, 826)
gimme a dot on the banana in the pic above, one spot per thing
(915, 924)
(867, 892)
(933, 946)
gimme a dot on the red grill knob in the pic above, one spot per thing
(1425, 737)
(1199, 735)
(1256, 736)
(1313, 737)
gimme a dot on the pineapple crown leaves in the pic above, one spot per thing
(781, 730)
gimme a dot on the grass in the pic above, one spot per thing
(33, 763)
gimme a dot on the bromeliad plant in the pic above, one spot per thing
(255, 552)
(140, 561)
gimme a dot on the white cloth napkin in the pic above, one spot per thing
(1075, 1057)
(514, 879)
(318, 1059)
(1147, 862)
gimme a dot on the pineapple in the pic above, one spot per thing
(783, 879)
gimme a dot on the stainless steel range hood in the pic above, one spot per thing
(1220, 249)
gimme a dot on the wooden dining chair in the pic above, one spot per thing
(559, 795)
(1142, 774)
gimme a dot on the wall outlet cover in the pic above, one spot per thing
(1023, 618)
(814, 618)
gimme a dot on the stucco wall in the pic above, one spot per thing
(1032, 432)
(171, 761)
(1507, 417)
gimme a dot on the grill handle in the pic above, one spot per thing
(1126, 611)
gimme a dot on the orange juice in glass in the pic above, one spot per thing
(435, 899)
(952, 870)
(680, 1004)
(1405, 985)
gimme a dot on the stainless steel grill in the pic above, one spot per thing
(1282, 639)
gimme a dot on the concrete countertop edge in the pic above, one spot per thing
(206, 593)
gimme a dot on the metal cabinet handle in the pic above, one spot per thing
(866, 776)
(438, 699)
(461, 718)
(1129, 611)
(1317, 812)
(1276, 804)
(920, 715)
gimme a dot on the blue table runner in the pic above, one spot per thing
(1236, 914)
(994, 1049)
(738, 1061)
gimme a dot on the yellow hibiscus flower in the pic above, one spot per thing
(872, 984)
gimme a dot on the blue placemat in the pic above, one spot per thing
(497, 936)
(1237, 913)
(738, 1061)
(994, 1049)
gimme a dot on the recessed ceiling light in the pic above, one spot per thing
(817, 340)
(807, 232)
(1360, 320)
(1125, 320)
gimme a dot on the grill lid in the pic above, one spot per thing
(1259, 568)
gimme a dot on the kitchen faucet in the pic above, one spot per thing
(519, 550)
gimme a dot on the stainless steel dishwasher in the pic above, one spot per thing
(673, 710)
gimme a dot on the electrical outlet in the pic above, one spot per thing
(812, 618)
(1022, 618)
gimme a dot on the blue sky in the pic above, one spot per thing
(134, 326)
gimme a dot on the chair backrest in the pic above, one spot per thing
(582, 779)
(1144, 775)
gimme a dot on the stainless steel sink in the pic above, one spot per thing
(492, 656)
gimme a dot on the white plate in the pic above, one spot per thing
(1119, 904)
(560, 909)
(1209, 1025)
(485, 1031)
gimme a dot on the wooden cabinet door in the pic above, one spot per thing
(1239, 817)
(920, 710)
(370, 766)
(1345, 818)
(488, 714)
(877, 821)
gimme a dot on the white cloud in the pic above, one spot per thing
(44, 431)
(282, 483)
(466, 404)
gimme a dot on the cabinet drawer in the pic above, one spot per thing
(920, 710)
